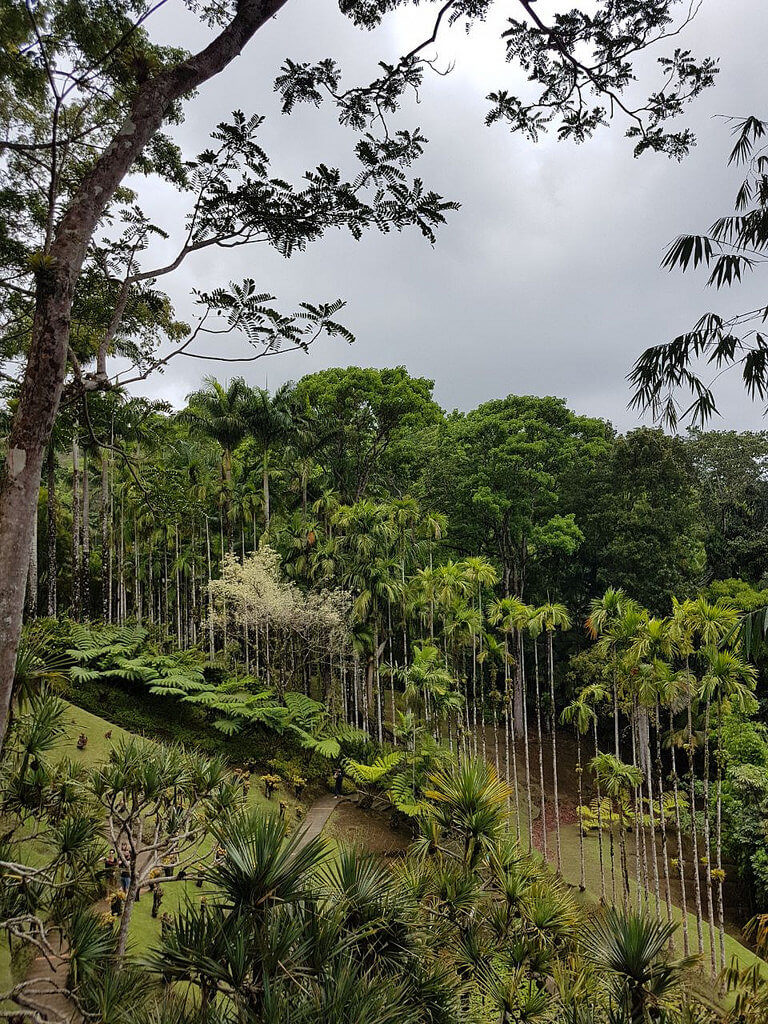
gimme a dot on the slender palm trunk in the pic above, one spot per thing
(85, 575)
(663, 823)
(679, 836)
(719, 832)
(52, 512)
(599, 819)
(553, 727)
(76, 593)
(694, 828)
(265, 487)
(708, 848)
(542, 790)
(524, 703)
(582, 871)
(105, 538)
(32, 580)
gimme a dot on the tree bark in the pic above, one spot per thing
(55, 287)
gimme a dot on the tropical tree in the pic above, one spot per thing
(269, 422)
(617, 780)
(550, 617)
(633, 949)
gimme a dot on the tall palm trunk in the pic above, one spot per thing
(106, 549)
(713, 955)
(719, 831)
(265, 488)
(542, 790)
(553, 728)
(32, 580)
(652, 834)
(679, 836)
(76, 592)
(85, 573)
(523, 690)
(599, 819)
(582, 870)
(52, 514)
(663, 823)
(694, 828)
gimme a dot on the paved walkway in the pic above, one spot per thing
(317, 815)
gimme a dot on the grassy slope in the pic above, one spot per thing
(102, 737)
(145, 929)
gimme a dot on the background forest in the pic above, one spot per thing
(342, 572)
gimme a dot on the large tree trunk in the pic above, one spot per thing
(54, 292)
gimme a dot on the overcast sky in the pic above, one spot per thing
(546, 281)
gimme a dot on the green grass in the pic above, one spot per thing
(102, 738)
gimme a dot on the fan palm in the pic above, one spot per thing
(633, 949)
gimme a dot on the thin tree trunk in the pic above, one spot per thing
(76, 592)
(663, 823)
(85, 573)
(105, 539)
(553, 726)
(543, 792)
(32, 572)
(523, 690)
(52, 510)
(708, 847)
(679, 837)
(582, 870)
(719, 832)
(694, 829)
(599, 820)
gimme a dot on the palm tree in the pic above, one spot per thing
(470, 800)
(269, 421)
(604, 611)
(580, 715)
(550, 617)
(220, 413)
(726, 679)
(617, 780)
(512, 616)
(708, 622)
(633, 949)
(592, 696)
(481, 574)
